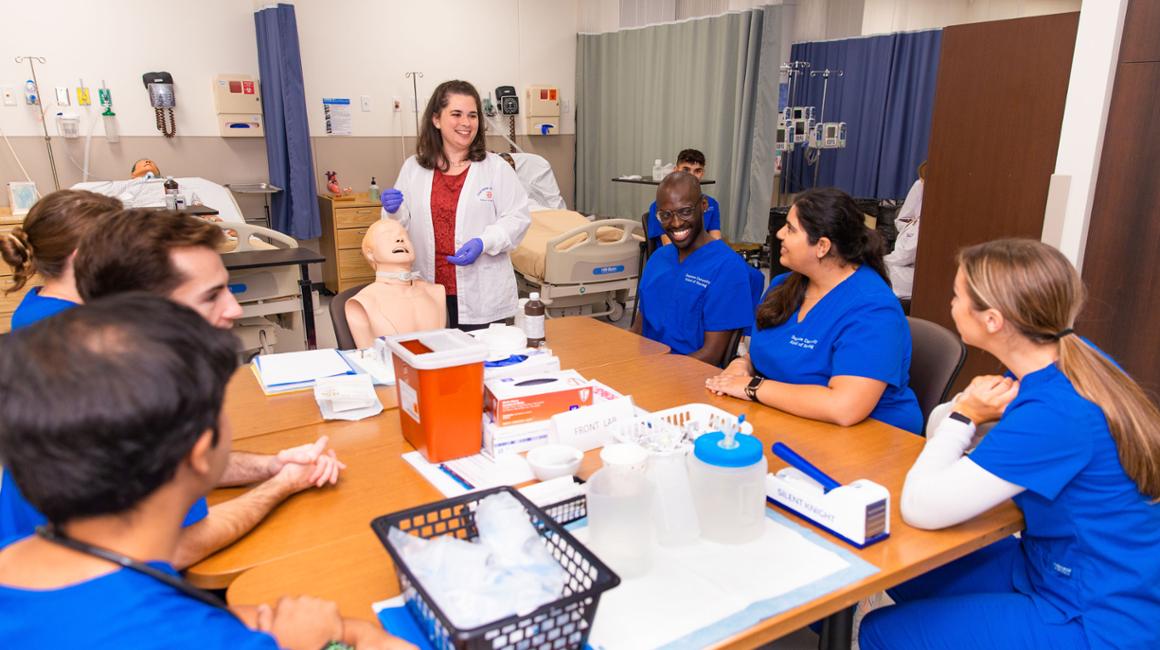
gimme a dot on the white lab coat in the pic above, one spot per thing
(536, 174)
(493, 206)
(900, 261)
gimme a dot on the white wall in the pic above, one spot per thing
(118, 41)
(352, 48)
(349, 48)
(1081, 137)
(883, 16)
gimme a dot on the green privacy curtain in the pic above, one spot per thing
(647, 93)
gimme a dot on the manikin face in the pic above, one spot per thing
(206, 285)
(143, 167)
(388, 247)
(458, 122)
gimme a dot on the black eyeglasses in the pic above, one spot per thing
(684, 214)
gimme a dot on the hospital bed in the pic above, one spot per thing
(270, 298)
(579, 267)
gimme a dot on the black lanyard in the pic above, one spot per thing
(56, 537)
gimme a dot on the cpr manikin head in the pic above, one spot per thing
(388, 247)
(144, 167)
(399, 301)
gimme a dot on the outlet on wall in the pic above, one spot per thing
(366, 103)
(9, 95)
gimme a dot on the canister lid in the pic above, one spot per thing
(709, 450)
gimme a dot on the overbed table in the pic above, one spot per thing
(320, 543)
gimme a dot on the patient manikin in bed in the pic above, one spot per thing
(398, 301)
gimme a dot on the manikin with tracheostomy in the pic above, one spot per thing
(399, 300)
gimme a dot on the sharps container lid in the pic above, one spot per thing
(708, 450)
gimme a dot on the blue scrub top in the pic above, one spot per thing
(711, 291)
(1092, 543)
(18, 519)
(857, 329)
(123, 609)
(711, 219)
(35, 307)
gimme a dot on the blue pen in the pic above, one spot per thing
(790, 456)
(457, 478)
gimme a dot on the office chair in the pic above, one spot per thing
(345, 340)
(936, 358)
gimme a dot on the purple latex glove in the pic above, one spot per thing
(392, 199)
(467, 253)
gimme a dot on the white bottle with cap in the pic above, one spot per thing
(658, 170)
(727, 473)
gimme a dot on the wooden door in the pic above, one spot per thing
(998, 110)
(1122, 258)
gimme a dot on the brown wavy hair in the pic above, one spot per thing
(831, 213)
(51, 232)
(429, 151)
(1040, 293)
(131, 251)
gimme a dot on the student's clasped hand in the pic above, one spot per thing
(309, 464)
(303, 623)
(987, 397)
(731, 382)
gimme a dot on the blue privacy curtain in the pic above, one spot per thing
(294, 210)
(886, 99)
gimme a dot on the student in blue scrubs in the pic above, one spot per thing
(690, 161)
(175, 256)
(1076, 445)
(695, 293)
(155, 441)
(832, 342)
(45, 245)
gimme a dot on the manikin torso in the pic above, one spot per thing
(398, 301)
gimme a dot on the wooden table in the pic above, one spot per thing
(356, 571)
(580, 343)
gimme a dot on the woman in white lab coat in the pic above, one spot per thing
(464, 209)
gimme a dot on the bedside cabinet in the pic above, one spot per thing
(343, 225)
(9, 302)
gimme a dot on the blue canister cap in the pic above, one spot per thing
(709, 450)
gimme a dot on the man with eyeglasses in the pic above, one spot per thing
(695, 293)
(693, 162)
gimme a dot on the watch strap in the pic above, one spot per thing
(959, 417)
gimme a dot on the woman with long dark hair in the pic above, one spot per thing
(1076, 444)
(463, 207)
(831, 341)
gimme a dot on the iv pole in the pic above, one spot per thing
(822, 115)
(43, 121)
(415, 95)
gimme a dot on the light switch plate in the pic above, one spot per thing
(366, 103)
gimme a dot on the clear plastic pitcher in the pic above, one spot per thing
(620, 528)
(728, 484)
(673, 510)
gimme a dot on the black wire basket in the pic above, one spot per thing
(562, 623)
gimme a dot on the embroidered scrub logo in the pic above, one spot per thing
(802, 342)
(486, 194)
(697, 280)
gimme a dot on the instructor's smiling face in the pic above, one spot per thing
(458, 122)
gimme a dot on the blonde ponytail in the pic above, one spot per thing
(1040, 293)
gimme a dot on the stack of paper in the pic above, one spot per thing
(282, 373)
